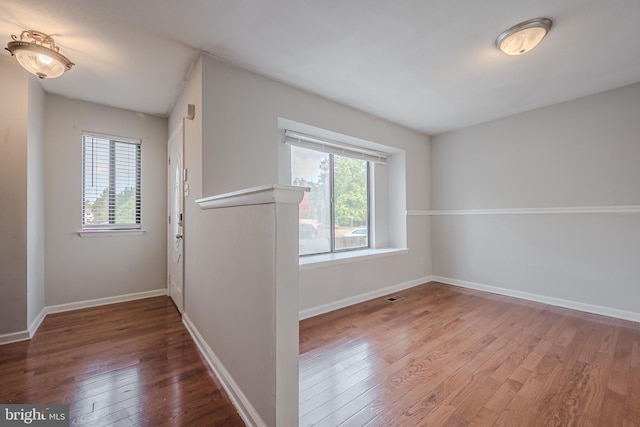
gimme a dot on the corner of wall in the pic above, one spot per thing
(35, 204)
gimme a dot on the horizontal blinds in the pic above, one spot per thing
(333, 147)
(111, 182)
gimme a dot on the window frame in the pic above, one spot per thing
(112, 173)
(332, 234)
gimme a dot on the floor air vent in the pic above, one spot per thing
(395, 298)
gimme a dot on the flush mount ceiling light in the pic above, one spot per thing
(38, 54)
(523, 37)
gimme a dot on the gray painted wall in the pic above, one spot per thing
(242, 147)
(230, 275)
(234, 143)
(13, 204)
(79, 268)
(582, 153)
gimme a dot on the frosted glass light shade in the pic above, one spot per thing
(523, 37)
(43, 61)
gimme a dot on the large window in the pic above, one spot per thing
(110, 182)
(334, 215)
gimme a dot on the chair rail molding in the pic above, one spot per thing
(613, 209)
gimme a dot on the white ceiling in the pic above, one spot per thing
(428, 64)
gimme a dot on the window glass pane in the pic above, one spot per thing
(311, 169)
(96, 181)
(127, 179)
(350, 200)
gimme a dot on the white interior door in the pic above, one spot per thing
(175, 238)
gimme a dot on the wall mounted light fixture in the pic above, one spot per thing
(523, 37)
(38, 54)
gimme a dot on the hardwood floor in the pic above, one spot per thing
(442, 356)
(125, 364)
(447, 356)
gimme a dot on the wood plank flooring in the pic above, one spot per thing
(442, 356)
(124, 364)
(447, 356)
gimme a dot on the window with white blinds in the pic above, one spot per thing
(111, 192)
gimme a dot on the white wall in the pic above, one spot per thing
(234, 143)
(242, 148)
(13, 194)
(35, 201)
(230, 283)
(194, 288)
(232, 307)
(582, 153)
(235, 300)
(80, 269)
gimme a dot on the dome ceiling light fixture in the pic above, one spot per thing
(38, 54)
(523, 37)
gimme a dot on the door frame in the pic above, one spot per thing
(179, 301)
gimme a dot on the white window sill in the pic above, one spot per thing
(323, 260)
(111, 233)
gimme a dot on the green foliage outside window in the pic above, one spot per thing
(125, 207)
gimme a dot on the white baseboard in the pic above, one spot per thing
(25, 335)
(104, 301)
(33, 327)
(574, 305)
(14, 337)
(248, 413)
(335, 305)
